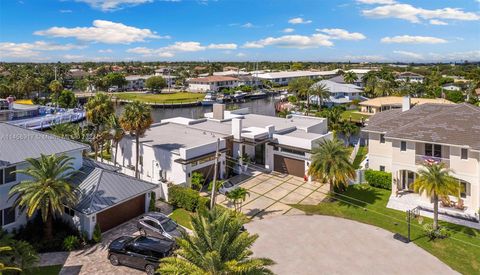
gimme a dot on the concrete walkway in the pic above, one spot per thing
(329, 245)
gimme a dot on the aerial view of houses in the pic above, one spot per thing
(239, 137)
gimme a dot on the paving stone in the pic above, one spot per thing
(256, 206)
(263, 188)
(250, 183)
(310, 201)
(277, 193)
(273, 210)
(303, 191)
(288, 186)
(317, 196)
(292, 198)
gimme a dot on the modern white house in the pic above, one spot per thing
(409, 77)
(451, 87)
(104, 196)
(400, 141)
(339, 93)
(137, 82)
(283, 78)
(211, 83)
(175, 148)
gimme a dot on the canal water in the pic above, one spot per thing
(264, 106)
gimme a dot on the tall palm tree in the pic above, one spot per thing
(218, 245)
(56, 88)
(321, 91)
(117, 134)
(238, 196)
(98, 109)
(349, 129)
(435, 180)
(333, 116)
(48, 190)
(350, 77)
(331, 164)
(136, 119)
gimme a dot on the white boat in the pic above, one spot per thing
(238, 95)
(209, 99)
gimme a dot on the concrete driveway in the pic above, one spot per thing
(329, 245)
(271, 194)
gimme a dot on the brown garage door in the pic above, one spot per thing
(289, 166)
(121, 213)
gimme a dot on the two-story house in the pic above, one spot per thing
(104, 196)
(400, 141)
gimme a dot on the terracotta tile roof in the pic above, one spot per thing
(213, 78)
(397, 100)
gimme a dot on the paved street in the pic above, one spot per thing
(328, 245)
(271, 194)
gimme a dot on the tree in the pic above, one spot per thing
(3, 266)
(115, 79)
(333, 116)
(56, 88)
(98, 109)
(81, 84)
(218, 245)
(348, 129)
(66, 99)
(117, 133)
(455, 96)
(301, 87)
(156, 83)
(331, 164)
(435, 181)
(48, 190)
(64, 130)
(136, 119)
(350, 77)
(321, 91)
(238, 196)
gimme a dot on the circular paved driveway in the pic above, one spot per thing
(328, 245)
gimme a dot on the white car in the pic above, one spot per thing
(228, 186)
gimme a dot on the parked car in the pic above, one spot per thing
(159, 225)
(227, 187)
(139, 252)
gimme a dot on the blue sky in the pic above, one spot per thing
(238, 30)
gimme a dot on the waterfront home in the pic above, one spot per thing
(409, 77)
(104, 196)
(283, 78)
(137, 82)
(380, 104)
(211, 83)
(171, 151)
(400, 141)
(360, 73)
(451, 87)
(339, 93)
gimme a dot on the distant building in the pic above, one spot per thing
(230, 68)
(409, 77)
(451, 87)
(380, 104)
(283, 78)
(249, 80)
(211, 83)
(339, 93)
(137, 82)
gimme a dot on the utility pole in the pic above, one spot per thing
(212, 199)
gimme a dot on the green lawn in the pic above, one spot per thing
(181, 97)
(461, 250)
(356, 117)
(361, 155)
(44, 270)
(182, 217)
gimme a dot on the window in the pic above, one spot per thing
(141, 160)
(464, 153)
(403, 146)
(464, 189)
(69, 211)
(8, 175)
(433, 150)
(382, 138)
(7, 216)
(382, 168)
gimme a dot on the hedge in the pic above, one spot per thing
(187, 198)
(379, 179)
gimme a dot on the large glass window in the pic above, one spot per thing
(7, 216)
(433, 150)
(8, 175)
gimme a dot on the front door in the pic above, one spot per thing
(260, 154)
(408, 177)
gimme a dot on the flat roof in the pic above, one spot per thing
(212, 78)
(286, 74)
(397, 100)
(335, 87)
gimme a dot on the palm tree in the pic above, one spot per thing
(56, 87)
(350, 77)
(348, 129)
(218, 245)
(117, 134)
(321, 91)
(136, 119)
(331, 164)
(64, 130)
(238, 196)
(333, 116)
(3, 267)
(48, 190)
(435, 181)
(98, 110)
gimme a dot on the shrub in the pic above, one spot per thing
(71, 243)
(183, 197)
(440, 233)
(151, 207)
(97, 234)
(203, 204)
(379, 179)
(197, 180)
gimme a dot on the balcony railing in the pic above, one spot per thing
(422, 159)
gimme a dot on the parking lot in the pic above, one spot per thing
(270, 195)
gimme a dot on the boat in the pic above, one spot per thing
(239, 95)
(257, 95)
(209, 99)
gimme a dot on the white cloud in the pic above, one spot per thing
(24, 50)
(185, 47)
(228, 46)
(104, 32)
(65, 11)
(73, 57)
(248, 25)
(111, 5)
(151, 52)
(408, 39)
(288, 30)
(415, 15)
(299, 20)
(342, 34)
(105, 51)
(370, 2)
(292, 41)
(365, 58)
(409, 54)
(456, 56)
(437, 22)
(241, 54)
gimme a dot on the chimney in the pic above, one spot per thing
(271, 130)
(218, 110)
(406, 103)
(237, 128)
